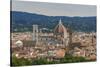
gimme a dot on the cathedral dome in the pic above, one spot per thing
(60, 29)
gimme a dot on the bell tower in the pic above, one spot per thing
(35, 33)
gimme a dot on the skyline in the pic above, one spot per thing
(52, 9)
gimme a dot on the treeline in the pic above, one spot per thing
(22, 21)
(42, 61)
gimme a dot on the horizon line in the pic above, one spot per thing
(51, 15)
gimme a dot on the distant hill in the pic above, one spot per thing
(22, 21)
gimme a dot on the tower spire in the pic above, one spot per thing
(60, 22)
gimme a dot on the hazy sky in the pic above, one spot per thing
(54, 9)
